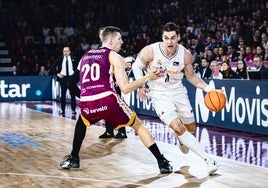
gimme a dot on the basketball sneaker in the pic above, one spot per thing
(70, 162)
(107, 135)
(120, 135)
(182, 147)
(164, 166)
(212, 166)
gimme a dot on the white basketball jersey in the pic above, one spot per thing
(171, 84)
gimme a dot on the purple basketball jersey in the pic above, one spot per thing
(95, 72)
(95, 79)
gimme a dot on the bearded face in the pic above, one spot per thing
(128, 66)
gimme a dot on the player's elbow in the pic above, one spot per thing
(125, 90)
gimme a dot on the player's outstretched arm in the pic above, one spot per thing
(143, 60)
(191, 76)
(122, 80)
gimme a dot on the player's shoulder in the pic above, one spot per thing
(115, 57)
(148, 48)
(187, 57)
(115, 54)
(185, 50)
(156, 44)
(186, 53)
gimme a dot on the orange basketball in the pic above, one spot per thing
(215, 100)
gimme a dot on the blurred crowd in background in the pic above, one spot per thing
(217, 32)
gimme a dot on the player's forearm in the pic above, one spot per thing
(137, 68)
(131, 86)
(198, 82)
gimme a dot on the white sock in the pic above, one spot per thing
(190, 141)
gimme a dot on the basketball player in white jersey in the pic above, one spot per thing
(168, 94)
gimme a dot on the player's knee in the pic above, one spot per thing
(137, 124)
(178, 127)
(191, 127)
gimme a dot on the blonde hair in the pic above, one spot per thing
(101, 33)
(109, 30)
(214, 62)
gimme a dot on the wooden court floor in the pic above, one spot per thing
(33, 143)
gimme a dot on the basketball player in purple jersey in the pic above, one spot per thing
(99, 100)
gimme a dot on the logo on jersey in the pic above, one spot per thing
(175, 63)
(159, 62)
(160, 66)
(86, 110)
(83, 90)
(100, 109)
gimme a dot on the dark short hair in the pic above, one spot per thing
(259, 56)
(204, 58)
(171, 26)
